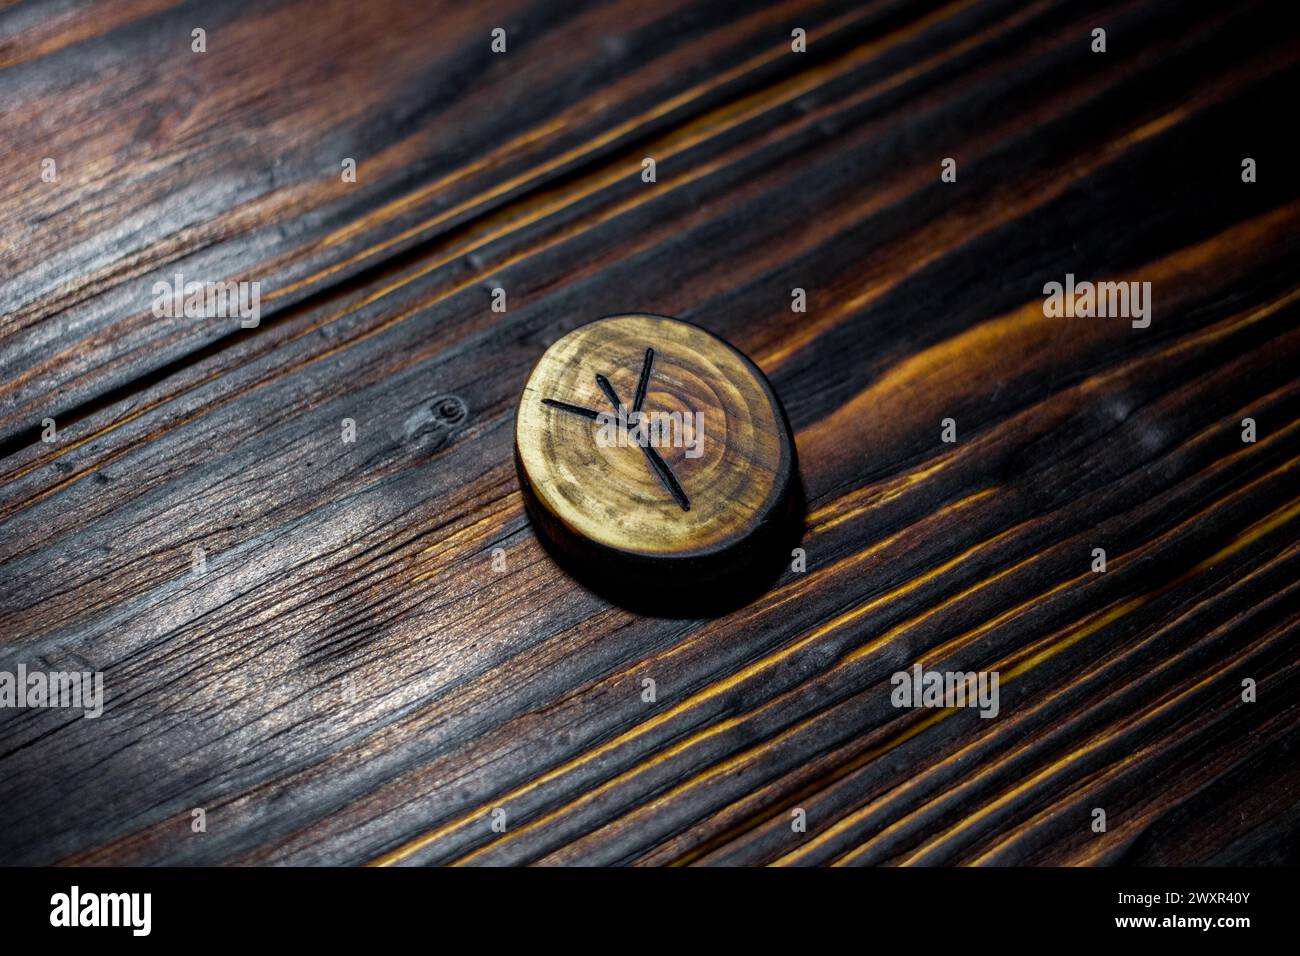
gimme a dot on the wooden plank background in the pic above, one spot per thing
(349, 681)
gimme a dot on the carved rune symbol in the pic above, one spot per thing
(661, 468)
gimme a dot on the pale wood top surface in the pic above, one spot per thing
(611, 494)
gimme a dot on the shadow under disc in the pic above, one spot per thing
(685, 588)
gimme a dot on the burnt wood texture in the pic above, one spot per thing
(347, 678)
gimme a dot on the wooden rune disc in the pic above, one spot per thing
(693, 485)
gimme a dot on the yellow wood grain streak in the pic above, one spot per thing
(990, 768)
(1095, 623)
(957, 365)
(1091, 625)
(712, 691)
(848, 617)
(1142, 718)
(515, 223)
(774, 95)
(1169, 800)
(511, 222)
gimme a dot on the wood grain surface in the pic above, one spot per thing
(348, 680)
(607, 365)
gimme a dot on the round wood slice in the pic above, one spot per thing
(697, 499)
